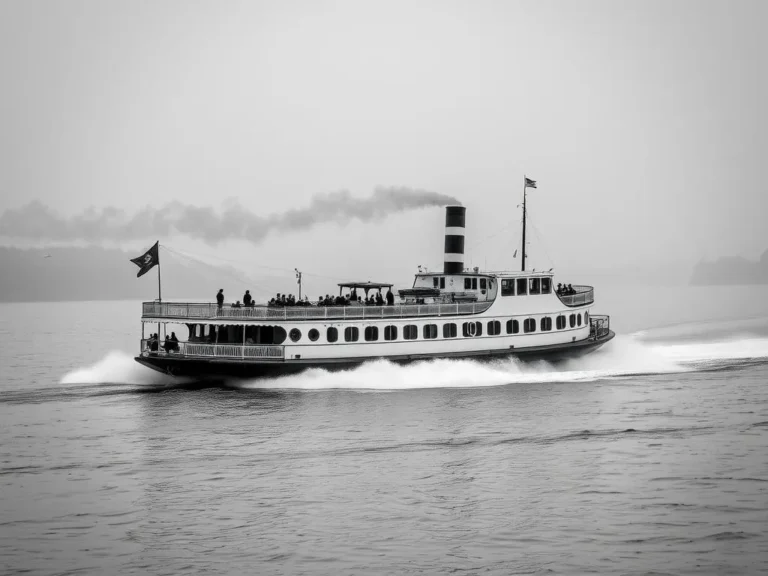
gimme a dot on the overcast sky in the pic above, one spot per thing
(644, 123)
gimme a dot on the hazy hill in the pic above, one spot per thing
(731, 270)
(106, 274)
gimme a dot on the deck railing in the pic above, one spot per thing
(599, 327)
(209, 311)
(200, 350)
(582, 295)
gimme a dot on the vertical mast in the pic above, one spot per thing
(525, 189)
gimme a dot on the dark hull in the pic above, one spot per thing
(218, 368)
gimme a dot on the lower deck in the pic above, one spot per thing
(230, 365)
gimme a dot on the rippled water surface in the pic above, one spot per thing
(647, 457)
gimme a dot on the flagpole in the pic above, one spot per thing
(525, 189)
(159, 291)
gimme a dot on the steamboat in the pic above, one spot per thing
(455, 313)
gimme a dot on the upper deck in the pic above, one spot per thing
(196, 312)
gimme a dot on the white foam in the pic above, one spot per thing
(115, 367)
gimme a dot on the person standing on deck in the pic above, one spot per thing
(390, 298)
(247, 298)
(220, 298)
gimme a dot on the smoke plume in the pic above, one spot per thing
(36, 221)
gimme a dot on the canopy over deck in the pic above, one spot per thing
(365, 285)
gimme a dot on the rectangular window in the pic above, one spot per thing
(529, 325)
(572, 320)
(546, 324)
(430, 331)
(449, 331)
(474, 283)
(522, 286)
(472, 329)
(467, 283)
(332, 334)
(435, 282)
(561, 322)
(507, 287)
(351, 334)
(410, 332)
(371, 333)
(390, 333)
(513, 326)
(483, 283)
(494, 327)
(442, 282)
(535, 286)
(546, 285)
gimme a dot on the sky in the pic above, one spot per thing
(643, 123)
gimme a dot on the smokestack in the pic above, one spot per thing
(453, 262)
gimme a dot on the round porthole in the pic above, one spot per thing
(295, 334)
(313, 335)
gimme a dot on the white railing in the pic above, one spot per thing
(213, 312)
(599, 327)
(200, 350)
(582, 295)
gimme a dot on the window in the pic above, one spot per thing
(390, 333)
(295, 334)
(472, 329)
(410, 332)
(313, 335)
(331, 334)
(467, 283)
(535, 286)
(474, 283)
(578, 319)
(546, 324)
(529, 325)
(442, 282)
(351, 334)
(371, 333)
(546, 285)
(494, 328)
(435, 281)
(449, 331)
(561, 322)
(522, 286)
(572, 320)
(586, 318)
(483, 283)
(513, 326)
(507, 287)
(430, 331)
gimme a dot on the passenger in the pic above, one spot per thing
(167, 345)
(284, 301)
(175, 342)
(154, 345)
(379, 299)
(237, 304)
(353, 296)
(559, 288)
(247, 298)
(571, 290)
(220, 298)
(390, 298)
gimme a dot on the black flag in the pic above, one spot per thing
(530, 183)
(148, 260)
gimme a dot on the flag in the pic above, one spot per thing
(530, 183)
(148, 260)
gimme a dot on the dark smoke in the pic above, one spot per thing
(36, 221)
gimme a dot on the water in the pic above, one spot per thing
(647, 457)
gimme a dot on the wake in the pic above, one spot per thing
(623, 357)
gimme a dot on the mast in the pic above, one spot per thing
(525, 189)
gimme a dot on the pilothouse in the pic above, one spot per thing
(456, 313)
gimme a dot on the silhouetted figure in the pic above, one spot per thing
(237, 304)
(559, 288)
(390, 298)
(247, 298)
(571, 290)
(220, 298)
(175, 342)
(154, 345)
(379, 299)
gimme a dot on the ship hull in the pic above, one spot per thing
(220, 368)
